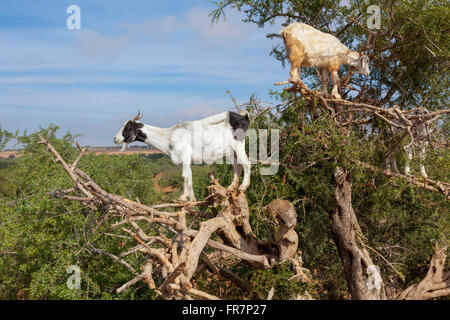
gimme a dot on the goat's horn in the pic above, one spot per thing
(139, 116)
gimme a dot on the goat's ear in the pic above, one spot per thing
(130, 132)
(134, 131)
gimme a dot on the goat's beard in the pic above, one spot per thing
(124, 146)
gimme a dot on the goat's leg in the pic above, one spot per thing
(243, 161)
(191, 186)
(237, 173)
(335, 79)
(185, 194)
(295, 71)
(422, 159)
(186, 187)
(295, 53)
(409, 155)
(394, 164)
(388, 163)
(391, 164)
(325, 79)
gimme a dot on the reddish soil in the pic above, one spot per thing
(166, 190)
(6, 154)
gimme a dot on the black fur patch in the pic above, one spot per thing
(132, 132)
(237, 122)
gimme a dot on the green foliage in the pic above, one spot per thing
(409, 63)
(280, 278)
(401, 221)
(40, 237)
(409, 54)
(5, 137)
(43, 236)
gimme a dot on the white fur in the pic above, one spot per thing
(200, 141)
(324, 50)
(420, 133)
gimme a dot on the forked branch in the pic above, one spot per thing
(164, 236)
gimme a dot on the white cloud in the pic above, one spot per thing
(160, 28)
(194, 24)
(94, 46)
(228, 32)
(99, 113)
(172, 68)
(198, 111)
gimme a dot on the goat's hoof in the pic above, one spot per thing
(336, 96)
(423, 173)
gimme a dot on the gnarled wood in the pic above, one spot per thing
(358, 266)
(172, 255)
(436, 282)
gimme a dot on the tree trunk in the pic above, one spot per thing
(436, 282)
(363, 278)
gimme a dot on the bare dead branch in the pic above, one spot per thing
(428, 184)
(110, 255)
(173, 254)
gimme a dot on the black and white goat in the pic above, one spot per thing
(200, 141)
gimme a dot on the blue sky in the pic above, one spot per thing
(160, 57)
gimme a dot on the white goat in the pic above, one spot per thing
(309, 47)
(200, 141)
(420, 133)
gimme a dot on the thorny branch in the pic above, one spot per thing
(346, 113)
(164, 237)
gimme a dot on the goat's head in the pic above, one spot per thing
(130, 131)
(363, 64)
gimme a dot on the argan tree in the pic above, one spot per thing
(332, 223)
(332, 152)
